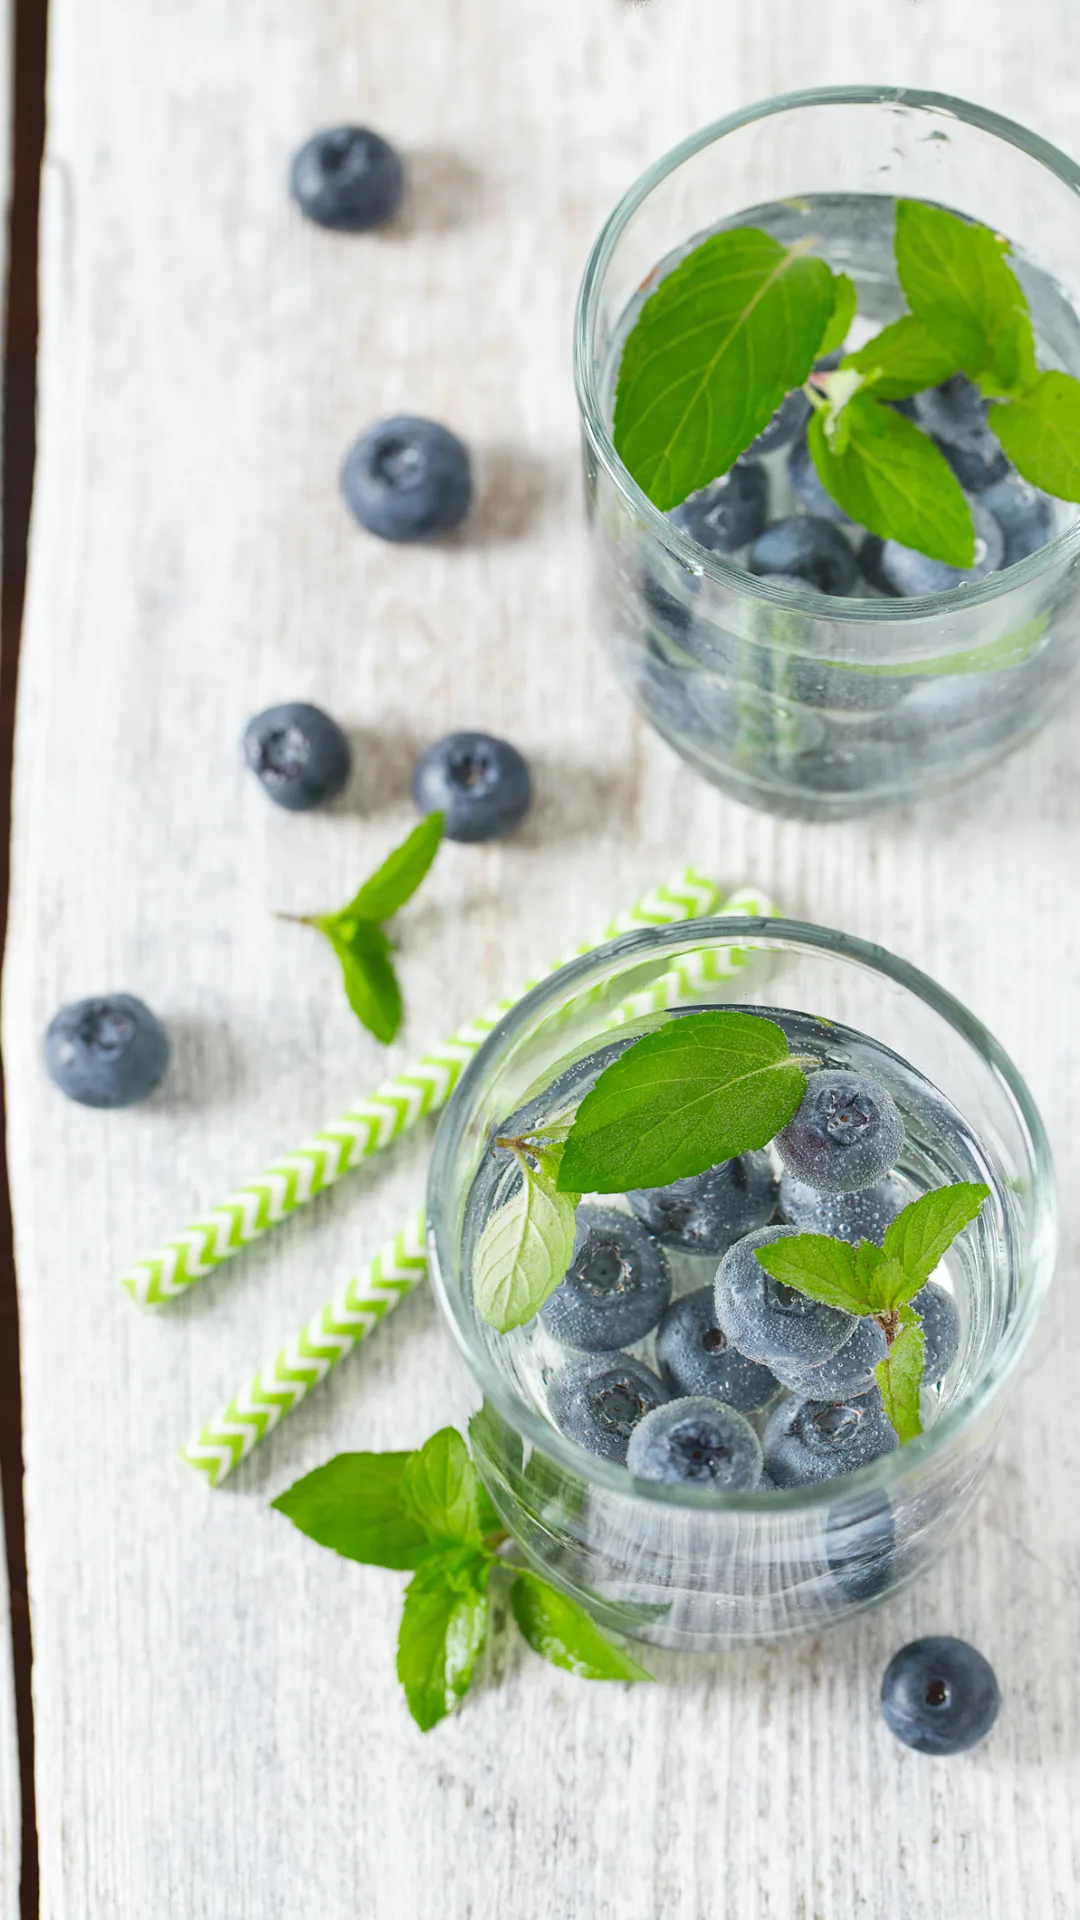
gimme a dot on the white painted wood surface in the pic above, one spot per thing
(219, 1731)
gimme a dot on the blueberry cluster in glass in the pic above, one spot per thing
(755, 1385)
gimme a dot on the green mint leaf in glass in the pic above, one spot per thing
(922, 1233)
(702, 1088)
(523, 1252)
(367, 972)
(960, 285)
(562, 1632)
(1041, 434)
(400, 874)
(819, 1266)
(712, 353)
(903, 359)
(443, 1627)
(900, 1376)
(439, 1484)
(893, 480)
(845, 301)
(355, 1506)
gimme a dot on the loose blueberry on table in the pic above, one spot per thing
(109, 1051)
(408, 480)
(347, 178)
(939, 1695)
(299, 754)
(480, 784)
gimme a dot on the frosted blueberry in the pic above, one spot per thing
(347, 178)
(1025, 516)
(707, 1211)
(598, 1402)
(807, 1441)
(696, 1442)
(299, 755)
(407, 479)
(695, 1357)
(481, 784)
(939, 1695)
(846, 1374)
(108, 1051)
(729, 512)
(862, 1215)
(941, 1329)
(811, 549)
(955, 412)
(617, 1285)
(768, 1321)
(904, 572)
(790, 418)
(845, 1135)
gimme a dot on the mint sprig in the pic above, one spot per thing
(355, 930)
(428, 1512)
(705, 364)
(882, 1281)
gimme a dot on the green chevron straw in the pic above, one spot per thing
(395, 1106)
(361, 1303)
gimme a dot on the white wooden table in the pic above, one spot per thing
(219, 1731)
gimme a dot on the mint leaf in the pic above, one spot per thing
(845, 301)
(367, 971)
(1041, 434)
(699, 1090)
(903, 359)
(443, 1625)
(880, 1278)
(523, 1252)
(823, 1268)
(921, 1235)
(355, 1506)
(560, 1631)
(892, 478)
(900, 1376)
(439, 1484)
(400, 874)
(712, 354)
(958, 283)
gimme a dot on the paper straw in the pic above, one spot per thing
(362, 1302)
(395, 1106)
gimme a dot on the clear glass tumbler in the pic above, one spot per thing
(794, 702)
(689, 1568)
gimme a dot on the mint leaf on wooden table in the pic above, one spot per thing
(903, 359)
(563, 1633)
(713, 352)
(355, 1506)
(958, 282)
(1040, 432)
(524, 1250)
(440, 1485)
(443, 1628)
(701, 1089)
(845, 301)
(900, 1374)
(400, 874)
(893, 480)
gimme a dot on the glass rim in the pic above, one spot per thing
(739, 931)
(701, 560)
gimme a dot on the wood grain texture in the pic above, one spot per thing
(219, 1730)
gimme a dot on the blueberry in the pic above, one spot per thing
(979, 465)
(106, 1052)
(807, 488)
(707, 1211)
(862, 1215)
(789, 419)
(481, 784)
(1025, 516)
(696, 1442)
(847, 1374)
(728, 513)
(768, 1321)
(810, 548)
(666, 609)
(903, 572)
(407, 479)
(694, 1357)
(347, 178)
(300, 755)
(860, 1546)
(955, 412)
(939, 1695)
(811, 1440)
(941, 1330)
(598, 1402)
(617, 1285)
(845, 1135)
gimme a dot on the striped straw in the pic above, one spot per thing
(361, 1303)
(394, 1107)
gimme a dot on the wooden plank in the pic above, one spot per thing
(218, 1726)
